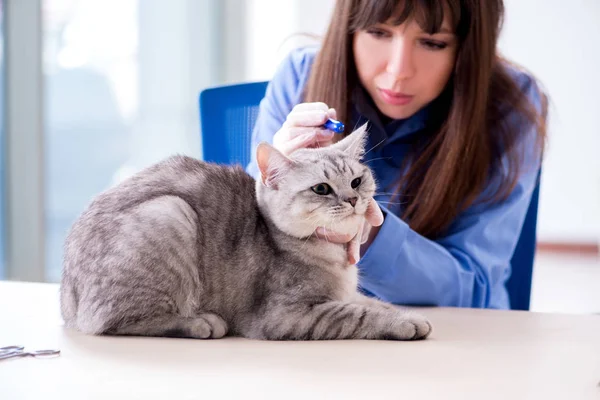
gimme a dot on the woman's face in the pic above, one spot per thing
(402, 67)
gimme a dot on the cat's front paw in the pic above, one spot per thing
(208, 326)
(411, 326)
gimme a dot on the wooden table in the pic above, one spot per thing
(472, 354)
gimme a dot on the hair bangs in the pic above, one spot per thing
(429, 14)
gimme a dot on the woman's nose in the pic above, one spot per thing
(401, 63)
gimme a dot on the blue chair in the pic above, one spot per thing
(519, 283)
(227, 116)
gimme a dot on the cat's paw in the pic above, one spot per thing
(411, 326)
(208, 326)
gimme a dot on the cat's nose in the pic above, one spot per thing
(352, 201)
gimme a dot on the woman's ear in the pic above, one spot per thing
(273, 165)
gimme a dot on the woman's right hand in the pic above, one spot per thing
(303, 128)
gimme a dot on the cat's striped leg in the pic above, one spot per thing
(340, 320)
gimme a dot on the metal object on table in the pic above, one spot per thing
(19, 351)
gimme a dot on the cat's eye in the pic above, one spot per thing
(355, 183)
(322, 189)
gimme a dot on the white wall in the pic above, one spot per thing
(273, 28)
(556, 41)
(167, 117)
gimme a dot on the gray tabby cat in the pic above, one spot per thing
(192, 249)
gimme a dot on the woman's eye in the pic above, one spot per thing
(434, 44)
(376, 33)
(355, 183)
(322, 189)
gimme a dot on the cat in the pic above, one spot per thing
(191, 249)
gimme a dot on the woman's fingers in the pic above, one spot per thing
(353, 242)
(373, 214)
(309, 137)
(315, 134)
(331, 113)
(303, 128)
(309, 118)
(366, 230)
(317, 105)
(332, 236)
(353, 250)
(373, 217)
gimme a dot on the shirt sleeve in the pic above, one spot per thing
(284, 91)
(466, 268)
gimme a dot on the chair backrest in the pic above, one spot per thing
(227, 116)
(519, 283)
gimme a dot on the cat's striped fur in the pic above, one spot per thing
(190, 249)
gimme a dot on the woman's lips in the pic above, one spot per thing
(395, 98)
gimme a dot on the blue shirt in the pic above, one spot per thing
(468, 266)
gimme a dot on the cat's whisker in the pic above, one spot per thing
(393, 202)
(310, 219)
(334, 222)
(374, 147)
(305, 241)
(338, 212)
(326, 237)
(392, 196)
(378, 158)
(383, 193)
(312, 210)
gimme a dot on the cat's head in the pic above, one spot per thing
(327, 186)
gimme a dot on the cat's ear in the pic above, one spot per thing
(354, 144)
(273, 165)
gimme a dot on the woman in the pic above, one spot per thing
(456, 140)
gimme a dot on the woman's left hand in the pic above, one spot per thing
(373, 218)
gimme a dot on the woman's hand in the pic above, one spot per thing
(303, 128)
(373, 218)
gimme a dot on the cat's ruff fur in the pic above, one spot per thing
(191, 249)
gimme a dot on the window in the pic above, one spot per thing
(121, 84)
(2, 146)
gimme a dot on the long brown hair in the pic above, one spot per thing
(463, 153)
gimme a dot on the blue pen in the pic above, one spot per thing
(335, 126)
